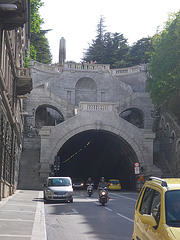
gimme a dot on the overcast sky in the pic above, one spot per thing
(76, 21)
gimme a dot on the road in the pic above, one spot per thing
(86, 219)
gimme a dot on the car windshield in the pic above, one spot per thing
(172, 205)
(59, 182)
(114, 181)
(77, 180)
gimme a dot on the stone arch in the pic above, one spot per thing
(178, 146)
(172, 136)
(47, 115)
(85, 90)
(107, 128)
(167, 130)
(134, 116)
(162, 122)
(39, 97)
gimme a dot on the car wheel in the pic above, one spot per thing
(46, 201)
(71, 200)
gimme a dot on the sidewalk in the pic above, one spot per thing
(22, 216)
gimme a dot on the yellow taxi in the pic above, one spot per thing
(157, 210)
(114, 184)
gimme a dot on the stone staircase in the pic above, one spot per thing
(29, 170)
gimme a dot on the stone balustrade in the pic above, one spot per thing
(87, 67)
(46, 68)
(101, 106)
(129, 70)
(25, 72)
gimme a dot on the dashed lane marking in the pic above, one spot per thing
(124, 217)
(108, 209)
(132, 199)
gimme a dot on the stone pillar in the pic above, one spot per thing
(44, 155)
(148, 152)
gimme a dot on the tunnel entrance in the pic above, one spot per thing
(98, 153)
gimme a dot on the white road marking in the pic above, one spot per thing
(132, 199)
(39, 226)
(108, 209)
(19, 211)
(13, 236)
(15, 220)
(73, 212)
(124, 217)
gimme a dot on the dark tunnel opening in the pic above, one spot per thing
(98, 153)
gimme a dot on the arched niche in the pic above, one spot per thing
(134, 116)
(47, 115)
(85, 90)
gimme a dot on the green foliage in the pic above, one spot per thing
(164, 80)
(141, 51)
(113, 49)
(36, 20)
(33, 52)
(39, 49)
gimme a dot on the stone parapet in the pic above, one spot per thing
(87, 67)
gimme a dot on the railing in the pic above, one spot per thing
(130, 70)
(23, 72)
(87, 67)
(46, 68)
(103, 107)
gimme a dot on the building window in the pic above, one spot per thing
(102, 96)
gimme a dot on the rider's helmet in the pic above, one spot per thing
(102, 178)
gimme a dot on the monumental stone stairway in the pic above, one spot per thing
(29, 170)
(71, 100)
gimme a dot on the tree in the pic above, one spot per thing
(39, 49)
(164, 81)
(107, 48)
(141, 51)
(96, 49)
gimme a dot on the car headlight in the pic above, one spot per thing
(49, 192)
(68, 193)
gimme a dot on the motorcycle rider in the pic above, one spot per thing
(89, 181)
(89, 185)
(102, 183)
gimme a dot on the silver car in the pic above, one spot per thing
(58, 189)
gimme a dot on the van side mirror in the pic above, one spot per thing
(148, 219)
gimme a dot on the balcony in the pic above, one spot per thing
(13, 13)
(97, 107)
(86, 67)
(24, 81)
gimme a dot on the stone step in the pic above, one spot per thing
(29, 170)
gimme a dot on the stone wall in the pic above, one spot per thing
(167, 144)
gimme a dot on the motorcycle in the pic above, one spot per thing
(90, 189)
(103, 195)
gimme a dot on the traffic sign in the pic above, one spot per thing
(136, 170)
(141, 178)
(136, 164)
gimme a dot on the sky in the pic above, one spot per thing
(76, 21)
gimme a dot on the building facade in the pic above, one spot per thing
(15, 81)
(89, 100)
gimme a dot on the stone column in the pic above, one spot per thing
(148, 152)
(44, 155)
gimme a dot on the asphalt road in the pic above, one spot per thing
(86, 219)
